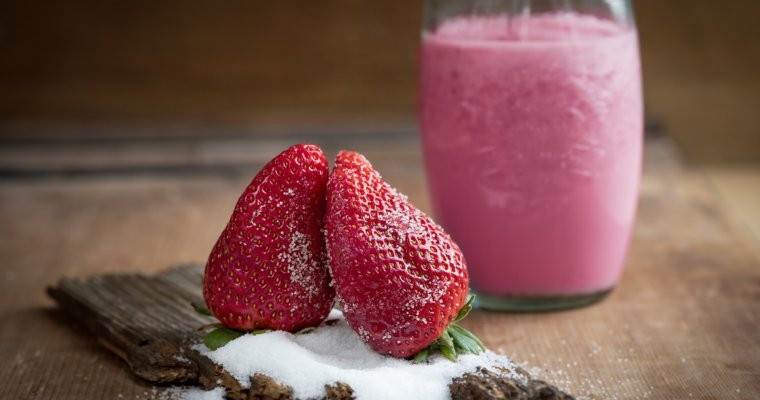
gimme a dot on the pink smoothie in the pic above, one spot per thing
(532, 136)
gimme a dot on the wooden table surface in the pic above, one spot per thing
(684, 322)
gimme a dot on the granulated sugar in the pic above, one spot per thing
(330, 354)
(194, 394)
(176, 393)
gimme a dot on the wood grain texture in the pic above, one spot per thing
(148, 322)
(681, 324)
(740, 186)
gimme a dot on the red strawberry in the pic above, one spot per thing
(268, 268)
(400, 277)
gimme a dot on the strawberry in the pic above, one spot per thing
(268, 268)
(401, 279)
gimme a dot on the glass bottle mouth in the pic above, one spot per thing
(436, 12)
(549, 27)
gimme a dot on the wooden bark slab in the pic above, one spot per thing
(147, 321)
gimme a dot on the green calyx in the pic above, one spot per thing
(454, 340)
(201, 309)
(220, 335)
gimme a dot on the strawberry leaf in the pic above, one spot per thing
(464, 340)
(467, 338)
(466, 308)
(447, 346)
(462, 343)
(201, 309)
(422, 356)
(449, 353)
(209, 326)
(220, 337)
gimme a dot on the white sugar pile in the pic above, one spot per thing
(330, 354)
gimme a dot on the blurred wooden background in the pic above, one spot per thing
(245, 62)
(701, 63)
(233, 61)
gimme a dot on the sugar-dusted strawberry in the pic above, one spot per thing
(400, 277)
(268, 268)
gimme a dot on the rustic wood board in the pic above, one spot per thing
(148, 321)
(683, 323)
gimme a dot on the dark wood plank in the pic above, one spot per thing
(148, 322)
